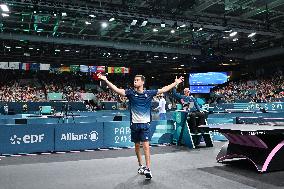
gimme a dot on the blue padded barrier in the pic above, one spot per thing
(26, 139)
(79, 136)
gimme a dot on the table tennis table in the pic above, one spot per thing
(260, 144)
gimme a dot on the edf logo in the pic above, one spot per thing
(27, 139)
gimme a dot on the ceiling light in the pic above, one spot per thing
(228, 31)
(92, 16)
(54, 14)
(182, 65)
(231, 60)
(77, 51)
(235, 39)
(252, 34)
(233, 34)
(7, 47)
(57, 50)
(133, 23)
(163, 24)
(225, 37)
(37, 49)
(88, 23)
(156, 56)
(31, 48)
(155, 30)
(4, 8)
(200, 29)
(104, 24)
(173, 31)
(224, 64)
(112, 19)
(18, 47)
(144, 23)
(64, 14)
(175, 58)
(182, 26)
(165, 57)
(5, 15)
(67, 50)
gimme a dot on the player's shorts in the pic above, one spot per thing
(140, 132)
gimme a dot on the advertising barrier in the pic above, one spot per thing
(26, 139)
(78, 136)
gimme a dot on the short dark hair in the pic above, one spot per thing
(141, 76)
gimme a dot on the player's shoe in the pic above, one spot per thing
(141, 170)
(148, 174)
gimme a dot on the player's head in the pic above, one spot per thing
(139, 81)
(186, 91)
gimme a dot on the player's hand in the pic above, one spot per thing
(102, 77)
(179, 80)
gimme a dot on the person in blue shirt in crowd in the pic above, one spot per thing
(140, 115)
(194, 112)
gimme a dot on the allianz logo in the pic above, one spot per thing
(27, 139)
(93, 136)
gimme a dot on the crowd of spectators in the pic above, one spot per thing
(18, 86)
(18, 93)
(25, 86)
(70, 85)
(262, 89)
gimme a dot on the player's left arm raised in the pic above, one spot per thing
(169, 87)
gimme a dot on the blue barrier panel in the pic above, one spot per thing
(17, 107)
(109, 105)
(31, 121)
(105, 118)
(162, 131)
(7, 121)
(273, 106)
(216, 136)
(78, 136)
(217, 121)
(26, 139)
(117, 134)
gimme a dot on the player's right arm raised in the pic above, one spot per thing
(112, 86)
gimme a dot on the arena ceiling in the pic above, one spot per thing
(193, 33)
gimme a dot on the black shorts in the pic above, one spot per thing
(140, 132)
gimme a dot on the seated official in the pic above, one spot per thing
(194, 112)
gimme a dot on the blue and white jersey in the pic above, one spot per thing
(140, 105)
